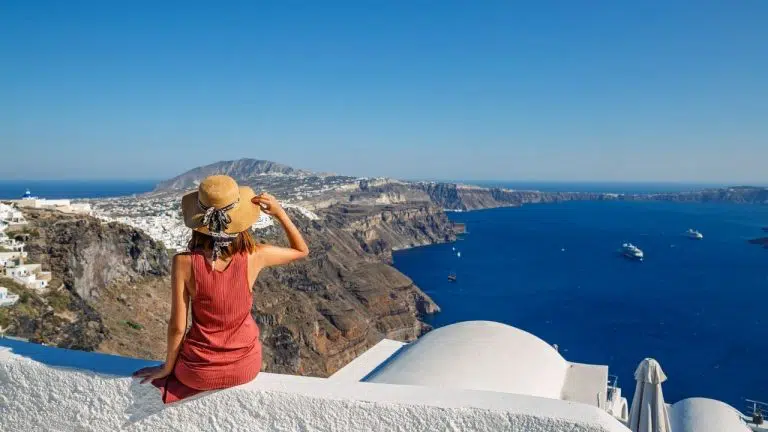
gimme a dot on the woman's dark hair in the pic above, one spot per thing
(243, 243)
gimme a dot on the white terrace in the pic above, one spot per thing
(473, 376)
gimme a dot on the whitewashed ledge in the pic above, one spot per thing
(72, 392)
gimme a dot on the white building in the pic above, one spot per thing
(29, 275)
(471, 354)
(7, 299)
(16, 218)
(81, 208)
(5, 212)
(10, 258)
(63, 205)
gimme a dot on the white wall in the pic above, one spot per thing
(34, 396)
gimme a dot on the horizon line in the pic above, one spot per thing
(721, 183)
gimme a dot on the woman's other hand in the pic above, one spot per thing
(268, 204)
(151, 373)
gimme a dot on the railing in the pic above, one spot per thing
(613, 384)
(755, 410)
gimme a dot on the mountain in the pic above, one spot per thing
(244, 170)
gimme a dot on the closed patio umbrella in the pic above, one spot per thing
(649, 412)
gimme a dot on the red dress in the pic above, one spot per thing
(222, 347)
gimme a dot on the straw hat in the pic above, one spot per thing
(219, 206)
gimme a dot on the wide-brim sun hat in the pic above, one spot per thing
(220, 206)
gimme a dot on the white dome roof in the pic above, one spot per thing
(705, 415)
(480, 355)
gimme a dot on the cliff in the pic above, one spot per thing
(88, 255)
(87, 258)
(453, 196)
(315, 315)
(736, 194)
(319, 314)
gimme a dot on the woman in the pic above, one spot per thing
(221, 348)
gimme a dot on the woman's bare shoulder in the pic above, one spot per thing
(182, 260)
(258, 250)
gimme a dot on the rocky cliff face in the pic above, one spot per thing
(461, 197)
(382, 229)
(315, 315)
(319, 314)
(88, 255)
(87, 258)
(738, 195)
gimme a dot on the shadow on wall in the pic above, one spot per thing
(145, 398)
(146, 402)
(94, 362)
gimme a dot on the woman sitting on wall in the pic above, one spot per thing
(215, 278)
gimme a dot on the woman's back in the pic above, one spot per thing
(222, 346)
(221, 349)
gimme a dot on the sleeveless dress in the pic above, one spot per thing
(222, 347)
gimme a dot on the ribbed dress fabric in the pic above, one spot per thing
(222, 347)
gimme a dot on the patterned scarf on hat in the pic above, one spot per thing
(217, 221)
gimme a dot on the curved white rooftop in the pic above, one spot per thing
(705, 415)
(478, 355)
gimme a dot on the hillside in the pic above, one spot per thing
(315, 315)
(316, 191)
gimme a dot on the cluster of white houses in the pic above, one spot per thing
(12, 257)
(159, 218)
(63, 205)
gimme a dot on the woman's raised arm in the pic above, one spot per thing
(269, 255)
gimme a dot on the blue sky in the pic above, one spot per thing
(545, 90)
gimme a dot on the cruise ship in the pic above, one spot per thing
(628, 250)
(694, 234)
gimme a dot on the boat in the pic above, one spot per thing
(451, 277)
(630, 251)
(458, 254)
(693, 234)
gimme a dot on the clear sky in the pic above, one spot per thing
(529, 90)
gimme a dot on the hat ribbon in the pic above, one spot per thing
(217, 220)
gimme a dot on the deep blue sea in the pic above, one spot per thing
(698, 307)
(52, 189)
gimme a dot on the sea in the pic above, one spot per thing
(698, 307)
(62, 189)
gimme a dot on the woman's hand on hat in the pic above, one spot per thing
(268, 204)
